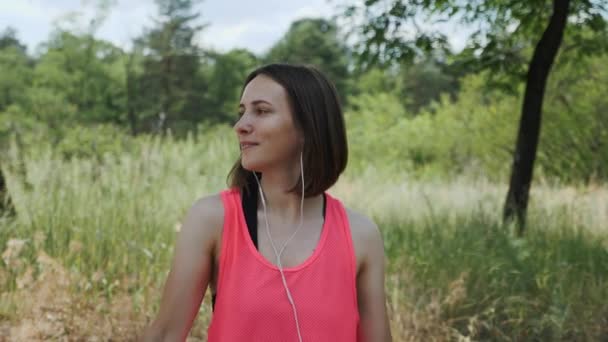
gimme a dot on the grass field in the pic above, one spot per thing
(87, 252)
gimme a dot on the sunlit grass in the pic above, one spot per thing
(99, 232)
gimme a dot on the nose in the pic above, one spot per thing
(243, 125)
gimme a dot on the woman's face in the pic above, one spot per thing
(265, 129)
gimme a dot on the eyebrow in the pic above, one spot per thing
(255, 102)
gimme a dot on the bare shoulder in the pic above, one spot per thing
(204, 220)
(366, 235)
(210, 208)
(361, 225)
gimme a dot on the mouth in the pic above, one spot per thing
(247, 146)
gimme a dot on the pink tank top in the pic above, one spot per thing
(251, 303)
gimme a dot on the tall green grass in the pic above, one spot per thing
(551, 285)
(453, 270)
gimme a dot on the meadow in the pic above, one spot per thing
(87, 250)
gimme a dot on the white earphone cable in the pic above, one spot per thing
(279, 253)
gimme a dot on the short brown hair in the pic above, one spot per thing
(317, 112)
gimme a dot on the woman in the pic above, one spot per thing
(284, 260)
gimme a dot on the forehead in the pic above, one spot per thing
(264, 88)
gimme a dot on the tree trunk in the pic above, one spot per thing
(130, 94)
(6, 205)
(167, 96)
(529, 126)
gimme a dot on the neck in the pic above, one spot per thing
(283, 205)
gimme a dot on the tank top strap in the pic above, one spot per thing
(345, 240)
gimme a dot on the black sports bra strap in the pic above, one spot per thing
(249, 202)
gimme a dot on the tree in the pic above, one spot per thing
(573, 146)
(529, 125)
(14, 80)
(85, 73)
(132, 62)
(8, 38)
(316, 42)
(417, 85)
(169, 82)
(16, 69)
(505, 29)
(226, 74)
(423, 82)
(77, 76)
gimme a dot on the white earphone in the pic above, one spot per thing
(279, 253)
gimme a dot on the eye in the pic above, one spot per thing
(262, 110)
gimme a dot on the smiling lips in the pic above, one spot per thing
(246, 145)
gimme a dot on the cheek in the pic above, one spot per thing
(283, 132)
(281, 135)
(290, 139)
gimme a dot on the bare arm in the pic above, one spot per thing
(190, 272)
(374, 324)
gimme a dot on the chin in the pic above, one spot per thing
(251, 165)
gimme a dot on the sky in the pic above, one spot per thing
(252, 24)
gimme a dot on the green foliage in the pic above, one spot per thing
(50, 107)
(316, 42)
(429, 118)
(423, 82)
(85, 73)
(416, 85)
(14, 120)
(470, 135)
(503, 30)
(170, 82)
(574, 143)
(15, 77)
(95, 142)
(474, 133)
(106, 195)
(226, 76)
(549, 286)
(8, 39)
(372, 132)
(376, 80)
